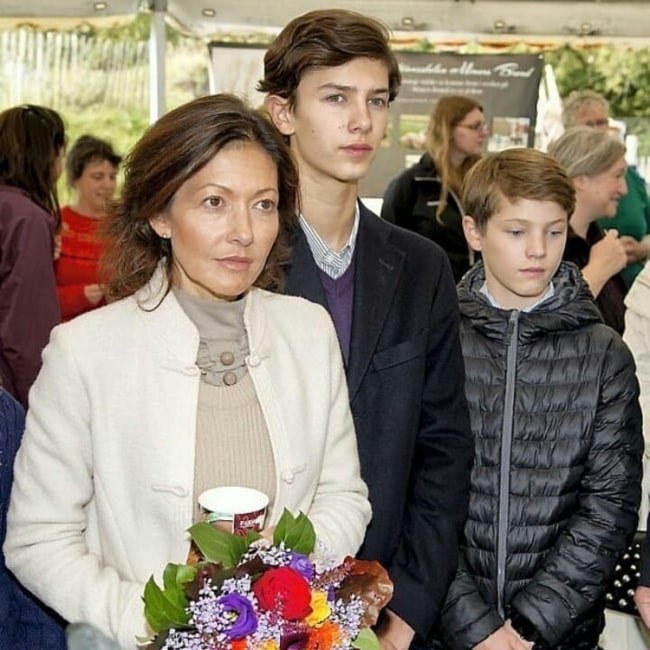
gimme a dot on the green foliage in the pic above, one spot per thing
(119, 126)
(571, 69)
(621, 75)
(219, 546)
(366, 640)
(297, 533)
(165, 609)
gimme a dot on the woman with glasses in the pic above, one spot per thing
(424, 198)
(32, 145)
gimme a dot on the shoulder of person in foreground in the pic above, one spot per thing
(285, 306)
(106, 323)
(638, 296)
(637, 338)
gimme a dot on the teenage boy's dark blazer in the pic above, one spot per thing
(406, 382)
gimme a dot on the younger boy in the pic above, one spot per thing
(330, 76)
(554, 410)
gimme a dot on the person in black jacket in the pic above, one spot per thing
(330, 76)
(555, 414)
(425, 197)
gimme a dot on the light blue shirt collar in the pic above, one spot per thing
(491, 299)
(333, 263)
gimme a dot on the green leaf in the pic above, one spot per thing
(217, 545)
(160, 612)
(366, 640)
(297, 533)
(185, 574)
(173, 588)
(250, 537)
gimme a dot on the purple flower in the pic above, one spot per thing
(302, 564)
(241, 613)
(294, 641)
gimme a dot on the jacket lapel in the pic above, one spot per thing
(378, 270)
(302, 275)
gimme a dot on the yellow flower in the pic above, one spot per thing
(268, 645)
(320, 609)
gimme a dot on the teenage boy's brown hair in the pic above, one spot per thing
(515, 174)
(324, 39)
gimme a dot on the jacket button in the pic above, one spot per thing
(253, 360)
(287, 477)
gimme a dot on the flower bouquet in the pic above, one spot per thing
(245, 593)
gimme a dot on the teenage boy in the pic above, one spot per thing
(330, 76)
(554, 408)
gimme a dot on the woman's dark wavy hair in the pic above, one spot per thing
(31, 139)
(170, 152)
(85, 149)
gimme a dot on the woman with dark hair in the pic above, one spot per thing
(424, 198)
(194, 376)
(32, 144)
(91, 168)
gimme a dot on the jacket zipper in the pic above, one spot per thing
(506, 450)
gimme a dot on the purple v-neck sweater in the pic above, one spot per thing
(340, 297)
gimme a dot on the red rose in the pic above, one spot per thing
(284, 590)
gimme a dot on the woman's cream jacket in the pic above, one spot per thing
(103, 491)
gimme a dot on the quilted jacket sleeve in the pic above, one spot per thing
(574, 576)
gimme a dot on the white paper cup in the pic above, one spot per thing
(240, 508)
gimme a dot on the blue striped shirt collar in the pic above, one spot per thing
(333, 263)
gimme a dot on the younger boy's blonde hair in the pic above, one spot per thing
(515, 174)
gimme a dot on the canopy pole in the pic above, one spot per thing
(157, 51)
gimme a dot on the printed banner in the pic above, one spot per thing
(506, 85)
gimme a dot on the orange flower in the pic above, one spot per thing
(324, 637)
(238, 644)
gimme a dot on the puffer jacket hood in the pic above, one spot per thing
(571, 306)
(555, 487)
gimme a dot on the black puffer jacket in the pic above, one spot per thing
(411, 201)
(553, 402)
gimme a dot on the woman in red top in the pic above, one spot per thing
(91, 168)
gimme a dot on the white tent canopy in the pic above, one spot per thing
(586, 20)
(606, 18)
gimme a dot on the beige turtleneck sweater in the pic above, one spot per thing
(232, 441)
